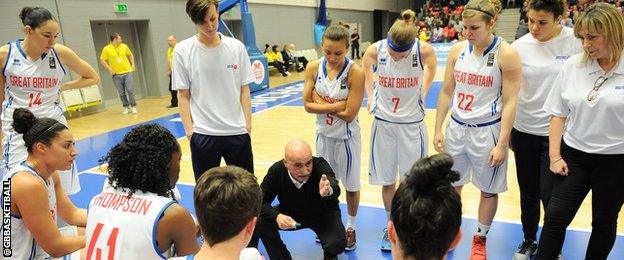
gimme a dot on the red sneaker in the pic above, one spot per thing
(478, 248)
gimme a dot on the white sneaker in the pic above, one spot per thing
(287, 73)
(125, 111)
(134, 110)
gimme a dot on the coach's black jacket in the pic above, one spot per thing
(298, 203)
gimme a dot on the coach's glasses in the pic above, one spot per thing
(593, 94)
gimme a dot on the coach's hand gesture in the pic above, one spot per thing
(324, 186)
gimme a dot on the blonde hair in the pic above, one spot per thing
(403, 31)
(488, 9)
(605, 20)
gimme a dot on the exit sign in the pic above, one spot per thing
(121, 8)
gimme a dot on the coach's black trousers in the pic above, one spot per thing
(604, 176)
(328, 228)
(534, 178)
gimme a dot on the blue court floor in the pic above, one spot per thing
(502, 239)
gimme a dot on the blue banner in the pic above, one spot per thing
(321, 23)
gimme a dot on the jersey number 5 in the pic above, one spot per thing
(465, 97)
(34, 99)
(329, 120)
(112, 239)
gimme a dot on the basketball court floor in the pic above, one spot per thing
(278, 116)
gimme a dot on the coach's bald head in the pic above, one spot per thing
(298, 159)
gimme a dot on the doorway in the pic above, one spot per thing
(129, 30)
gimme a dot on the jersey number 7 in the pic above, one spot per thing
(395, 101)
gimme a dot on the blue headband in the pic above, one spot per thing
(399, 48)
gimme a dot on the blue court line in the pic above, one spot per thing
(503, 237)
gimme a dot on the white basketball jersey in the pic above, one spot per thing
(23, 243)
(334, 91)
(478, 85)
(119, 227)
(32, 84)
(397, 92)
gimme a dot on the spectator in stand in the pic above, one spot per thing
(566, 20)
(449, 33)
(275, 59)
(423, 36)
(288, 54)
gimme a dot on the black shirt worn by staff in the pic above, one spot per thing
(305, 202)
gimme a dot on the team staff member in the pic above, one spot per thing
(171, 41)
(211, 73)
(481, 80)
(585, 105)
(307, 191)
(117, 58)
(333, 91)
(543, 52)
(405, 68)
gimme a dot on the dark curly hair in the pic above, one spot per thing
(141, 161)
(34, 129)
(426, 210)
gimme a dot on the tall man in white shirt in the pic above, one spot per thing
(211, 73)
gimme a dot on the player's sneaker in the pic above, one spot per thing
(478, 248)
(125, 111)
(134, 110)
(351, 242)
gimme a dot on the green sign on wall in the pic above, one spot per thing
(121, 8)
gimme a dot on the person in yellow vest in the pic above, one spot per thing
(171, 40)
(117, 58)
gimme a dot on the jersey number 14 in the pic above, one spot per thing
(34, 99)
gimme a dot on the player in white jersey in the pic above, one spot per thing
(137, 217)
(481, 85)
(586, 134)
(37, 197)
(227, 201)
(404, 69)
(333, 90)
(543, 52)
(32, 73)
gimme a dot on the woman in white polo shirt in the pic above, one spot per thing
(586, 105)
(543, 52)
